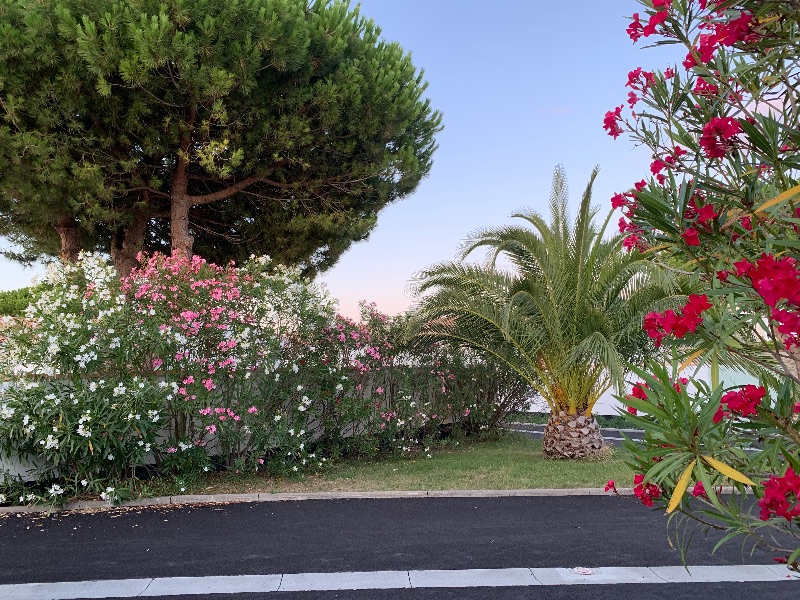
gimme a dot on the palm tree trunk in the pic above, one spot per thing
(572, 436)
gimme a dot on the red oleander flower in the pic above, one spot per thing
(774, 279)
(706, 213)
(743, 402)
(634, 30)
(682, 381)
(657, 166)
(634, 242)
(716, 139)
(691, 237)
(618, 201)
(645, 492)
(699, 491)
(610, 122)
(704, 88)
(656, 20)
(610, 486)
(660, 325)
(788, 326)
(781, 496)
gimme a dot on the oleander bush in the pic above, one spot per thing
(720, 206)
(185, 366)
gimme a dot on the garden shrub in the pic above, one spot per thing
(186, 366)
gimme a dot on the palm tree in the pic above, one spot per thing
(567, 317)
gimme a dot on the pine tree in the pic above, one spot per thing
(222, 127)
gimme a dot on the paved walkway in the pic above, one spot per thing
(382, 580)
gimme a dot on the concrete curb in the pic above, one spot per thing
(296, 496)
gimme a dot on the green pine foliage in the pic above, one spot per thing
(14, 302)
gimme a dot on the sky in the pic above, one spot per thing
(523, 86)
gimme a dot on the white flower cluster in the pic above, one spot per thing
(82, 430)
(49, 443)
(304, 404)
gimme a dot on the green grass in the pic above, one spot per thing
(510, 462)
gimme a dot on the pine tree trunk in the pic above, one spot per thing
(181, 239)
(128, 242)
(572, 436)
(67, 228)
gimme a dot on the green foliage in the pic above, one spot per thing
(14, 302)
(565, 319)
(289, 124)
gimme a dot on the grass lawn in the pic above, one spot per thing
(512, 461)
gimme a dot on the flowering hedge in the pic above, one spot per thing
(720, 204)
(184, 366)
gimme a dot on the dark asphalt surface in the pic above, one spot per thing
(695, 591)
(345, 535)
(613, 437)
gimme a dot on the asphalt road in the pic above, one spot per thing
(371, 535)
(612, 437)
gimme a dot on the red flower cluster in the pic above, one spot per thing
(699, 490)
(637, 30)
(704, 88)
(716, 139)
(660, 325)
(682, 382)
(742, 402)
(776, 280)
(691, 237)
(638, 391)
(722, 33)
(610, 486)
(645, 492)
(781, 496)
(610, 122)
(639, 79)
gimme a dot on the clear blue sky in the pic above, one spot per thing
(523, 85)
